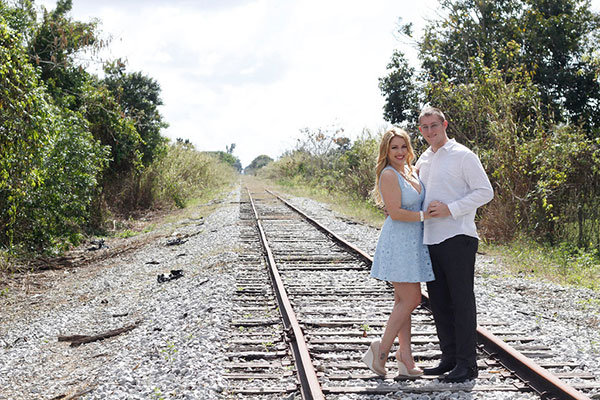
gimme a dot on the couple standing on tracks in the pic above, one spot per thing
(429, 236)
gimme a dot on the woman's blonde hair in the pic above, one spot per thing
(382, 159)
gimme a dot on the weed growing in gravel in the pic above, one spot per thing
(4, 263)
(492, 275)
(157, 394)
(365, 328)
(149, 228)
(591, 307)
(565, 263)
(170, 351)
(590, 304)
(538, 320)
(126, 234)
(267, 345)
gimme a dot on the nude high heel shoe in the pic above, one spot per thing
(370, 357)
(403, 371)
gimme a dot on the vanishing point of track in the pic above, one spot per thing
(306, 310)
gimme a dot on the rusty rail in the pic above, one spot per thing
(310, 385)
(538, 378)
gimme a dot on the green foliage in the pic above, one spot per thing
(539, 169)
(120, 110)
(20, 17)
(139, 97)
(127, 233)
(58, 208)
(257, 164)
(228, 158)
(48, 159)
(564, 262)
(400, 91)
(556, 45)
(68, 141)
(356, 166)
(324, 159)
(176, 177)
(183, 173)
(518, 81)
(23, 109)
(108, 126)
(55, 43)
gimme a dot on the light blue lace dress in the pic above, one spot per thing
(400, 255)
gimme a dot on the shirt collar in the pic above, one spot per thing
(448, 145)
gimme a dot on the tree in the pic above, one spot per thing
(518, 81)
(544, 174)
(227, 158)
(61, 127)
(49, 162)
(139, 98)
(112, 128)
(21, 17)
(23, 109)
(257, 164)
(54, 46)
(555, 44)
(400, 91)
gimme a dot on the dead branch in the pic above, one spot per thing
(75, 394)
(76, 340)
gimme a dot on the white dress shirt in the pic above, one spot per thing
(453, 175)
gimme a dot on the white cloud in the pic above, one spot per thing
(254, 72)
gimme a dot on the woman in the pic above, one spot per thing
(400, 256)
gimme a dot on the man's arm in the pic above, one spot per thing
(481, 191)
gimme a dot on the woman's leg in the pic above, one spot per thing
(407, 297)
(404, 337)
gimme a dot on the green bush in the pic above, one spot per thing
(182, 174)
(324, 160)
(356, 166)
(58, 208)
(48, 160)
(545, 175)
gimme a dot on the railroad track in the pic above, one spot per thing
(306, 310)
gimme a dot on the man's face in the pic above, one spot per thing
(433, 130)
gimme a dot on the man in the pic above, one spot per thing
(455, 186)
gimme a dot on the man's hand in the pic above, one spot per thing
(437, 209)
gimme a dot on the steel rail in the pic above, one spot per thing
(546, 384)
(310, 386)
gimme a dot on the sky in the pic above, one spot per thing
(256, 72)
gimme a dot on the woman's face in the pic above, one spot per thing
(397, 152)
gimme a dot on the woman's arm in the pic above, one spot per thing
(392, 197)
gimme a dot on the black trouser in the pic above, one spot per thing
(453, 300)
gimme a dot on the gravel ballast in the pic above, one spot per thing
(177, 350)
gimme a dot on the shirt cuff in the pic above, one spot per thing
(454, 212)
